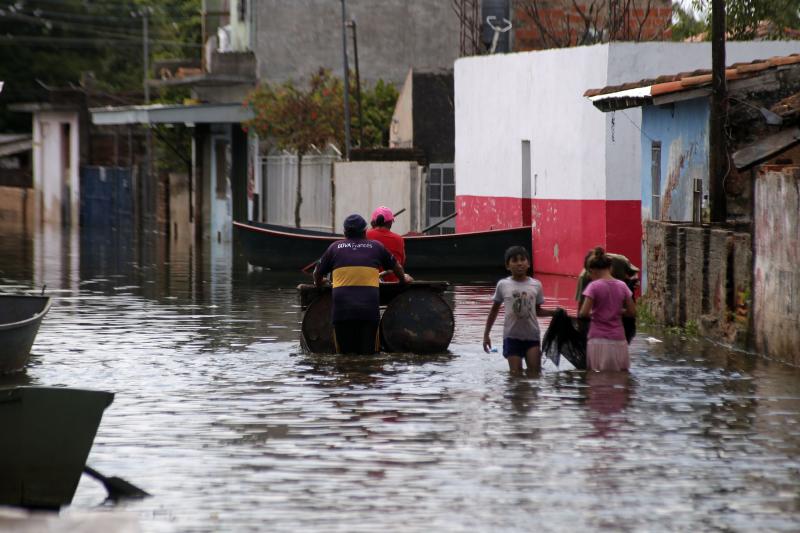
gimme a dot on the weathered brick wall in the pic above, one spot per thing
(692, 266)
(776, 280)
(661, 298)
(562, 21)
(701, 276)
(743, 283)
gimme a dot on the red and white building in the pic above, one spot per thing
(530, 149)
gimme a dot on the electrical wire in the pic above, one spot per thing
(85, 41)
(48, 23)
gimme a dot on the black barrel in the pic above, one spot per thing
(317, 328)
(417, 321)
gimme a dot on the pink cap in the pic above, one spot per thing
(388, 216)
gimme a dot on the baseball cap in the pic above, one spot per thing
(388, 216)
(354, 223)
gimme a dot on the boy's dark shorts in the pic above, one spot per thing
(517, 347)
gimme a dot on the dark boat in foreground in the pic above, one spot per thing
(47, 435)
(20, 316)
(283, 248)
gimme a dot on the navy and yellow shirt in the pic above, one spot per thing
(355, 264)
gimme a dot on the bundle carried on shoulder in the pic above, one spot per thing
(562, 338)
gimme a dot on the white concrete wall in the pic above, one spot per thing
(577, 151)
(47, 161)
(401, 132)
(362, 186)
(502, 100)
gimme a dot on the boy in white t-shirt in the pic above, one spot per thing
(522, 297)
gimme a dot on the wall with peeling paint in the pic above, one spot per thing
(776, 286)
(682, 129)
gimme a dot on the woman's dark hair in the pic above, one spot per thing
(597, 259)
(514, 251)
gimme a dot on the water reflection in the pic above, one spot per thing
(222, 418)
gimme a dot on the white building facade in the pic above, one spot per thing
(530, 149)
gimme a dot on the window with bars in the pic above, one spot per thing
(655, 177)
(441, 197)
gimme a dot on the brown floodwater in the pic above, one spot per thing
(221, 417)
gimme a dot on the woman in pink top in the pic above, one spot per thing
(607, 299)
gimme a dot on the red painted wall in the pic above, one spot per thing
(564, 230)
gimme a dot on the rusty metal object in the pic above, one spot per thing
(417, 321)
(317, 328)
(388, 291)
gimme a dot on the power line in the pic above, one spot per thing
(90, 41)
(68, 15)
(48, 23)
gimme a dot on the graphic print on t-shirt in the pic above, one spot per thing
(522, 305)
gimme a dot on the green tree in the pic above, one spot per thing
(44, 43)
(299, 118)
(743, 18)
(378, 107)
(685, 24)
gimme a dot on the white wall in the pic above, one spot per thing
(577, 151)
(503, 99)
(47, 159)
(362, 186)
(401, 132)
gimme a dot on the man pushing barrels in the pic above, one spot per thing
(354, 263)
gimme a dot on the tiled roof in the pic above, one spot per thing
(684, 81)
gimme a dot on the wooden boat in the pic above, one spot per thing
(20, 316)
(284, 248)
(47, 435)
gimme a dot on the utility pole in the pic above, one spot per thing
(718, 164)
(148, 190)
(352, 24)
(346, 84)
(146, 53)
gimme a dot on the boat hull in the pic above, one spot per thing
(20, 318)
(48, 433)
(282, 248)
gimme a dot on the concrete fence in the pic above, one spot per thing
(279, 175)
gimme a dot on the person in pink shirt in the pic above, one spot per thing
(607, 299)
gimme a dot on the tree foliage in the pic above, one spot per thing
(378, 107)
(296, 118)
(44, 43)
(299, 119)
(685, 24)
(750, 19)
(284, 113)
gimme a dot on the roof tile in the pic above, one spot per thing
(692, 81)
(667, 83)
(666, 88)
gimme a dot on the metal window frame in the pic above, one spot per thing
(450, 225)
(655, 180)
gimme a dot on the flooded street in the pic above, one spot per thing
(221, 417)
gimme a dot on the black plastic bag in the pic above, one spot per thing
(562, 338)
